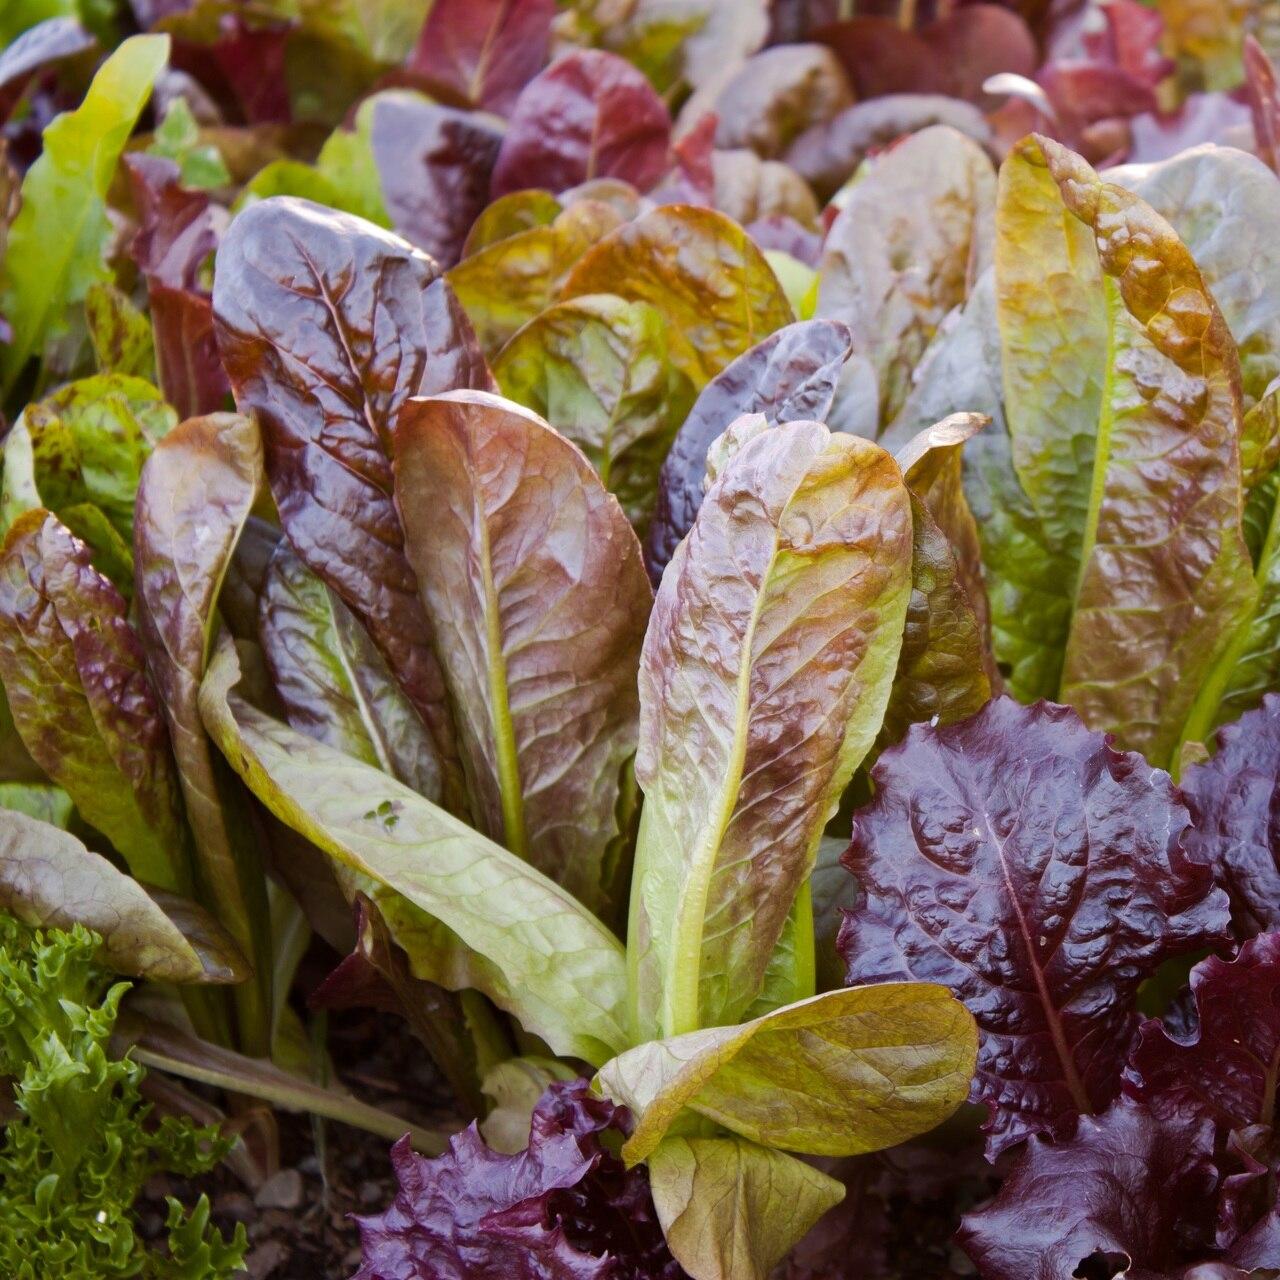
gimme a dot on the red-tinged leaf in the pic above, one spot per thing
(77, 685)
(1234, 810)
(434, 164)
(327, 325)
(1120, 1198)
(535, 580)
(563, 1209)
(1227, 1066)
(195, 494)
(36, 50)
(242, 61)
(483, 52)
(176, 231)
(589, 115)
(789, 377)
(1264, 101)
(1021, 861)
(188, 364)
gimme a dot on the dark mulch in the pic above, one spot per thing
(299, 1222)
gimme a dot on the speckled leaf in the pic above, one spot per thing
(1163, 583)
(502, 927)
(1039, 874)
(790, 376)
(836, 1075)
(535, 582)
(332, 681)
(77, 686)
(731, 1210)
(1219, 201)
(790, 591)
(590, 114)
(49, 880)
(197, 490)
(912, 237)
(1234, 802)
(327, 324)
(702, 271)
(597, 367)
(506, 284)
(120, 333)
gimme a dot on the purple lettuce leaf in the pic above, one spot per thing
(481, 53)
(34, 52)
(1019, 860)
(563, 1209)
(1234, 799)
(790, 376)
(589, 115)
(1131, 1193)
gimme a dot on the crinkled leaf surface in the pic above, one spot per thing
(1039, 874)
(197, 490)
(57, 241)
(77, 685)
(912, 237)
(563, 1208)
(506, 283)
(839, 1074)
(1115, 1198)
(333, 682)
(540, 599)
(591, 114)
(327, 325)
(702, 271)
(483, 52)
(1228, 1064)
(790, 376)
(49, 880)
(1233, 801)
(731, 1209)
(1161, 585)
(598, 369)
(790, 591)
(506, 929)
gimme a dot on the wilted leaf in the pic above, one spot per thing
(702, 271)
(49, 880)
(792, 589)
(327, 325)
(506, 283)
(502, 927)
(730, 1209)
(77, 686)
(540, 599)
(483, 52)
(839, 1074)
(196, 493)
(598, 369)
(1039, 874)
(790, 376)
(56, 243)
(912, 238)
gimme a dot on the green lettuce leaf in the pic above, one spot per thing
(790, 590)
(49, 880)
(120, 333)
(540, 599)
(196, 492)
(599, 369)
(57, 242)
(500, 926)
(732, 1210)
(77, 685)
(839, 1074)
